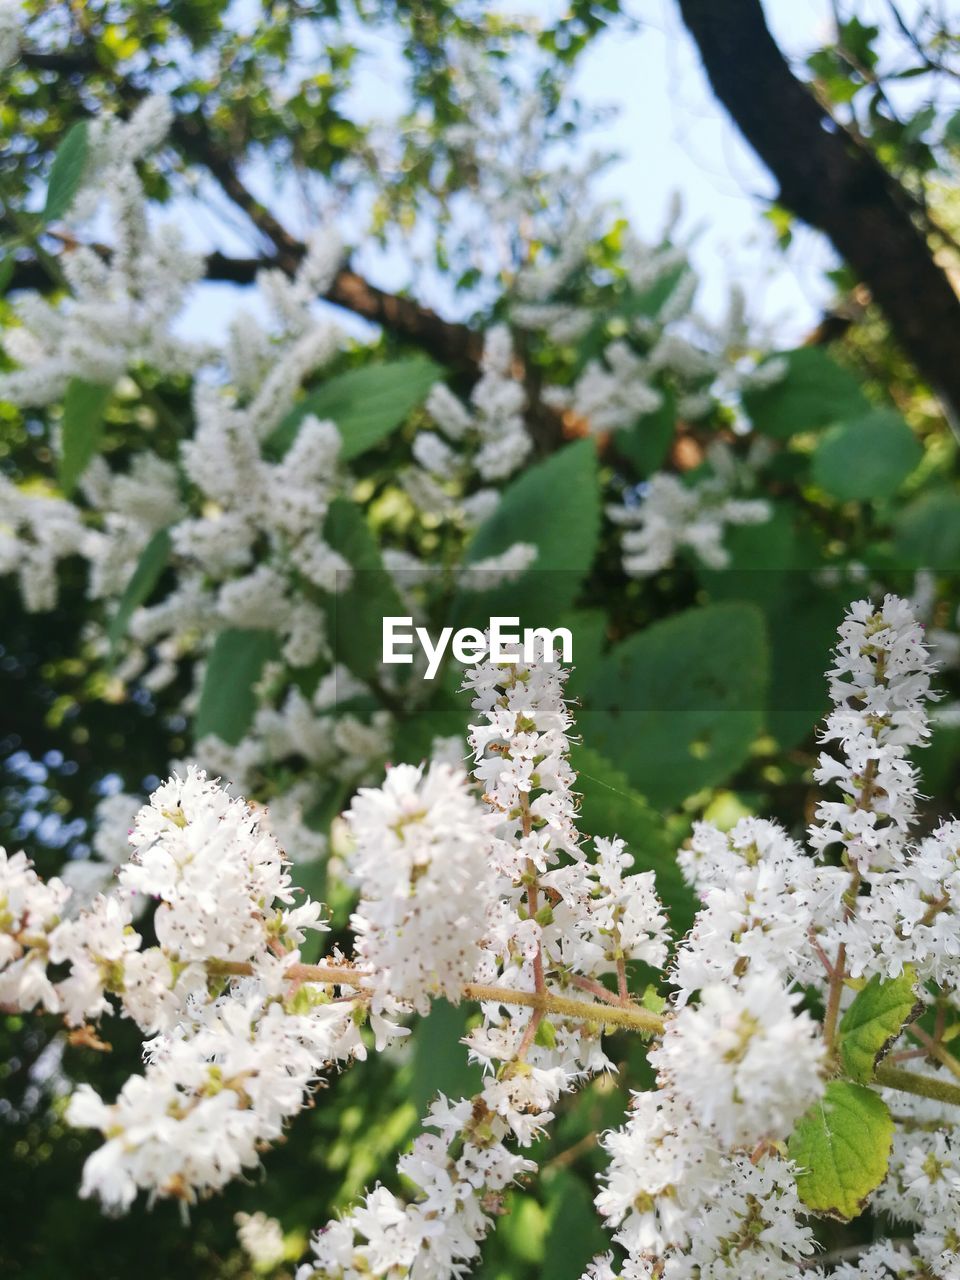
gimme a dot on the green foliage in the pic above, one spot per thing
(227, 700)
(866, 458)
(66, 171)
(153, 560)
(555, 506)
(841, 1147)
(678, 706)
(366, 404)
(814, 392)
(874, 1020)
(355, 613)
(574, 1234)
(609, 806)
(647, 443)
(927, 531)
(81, 429)
(440, 1059)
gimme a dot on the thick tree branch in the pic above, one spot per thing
(833, 183)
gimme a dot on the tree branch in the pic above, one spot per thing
(455, 345)
(833, 184)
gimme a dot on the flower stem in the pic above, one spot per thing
(642, 1020)
(912, 1082)
(636, 1019)
(342, 975)
(936, 1050)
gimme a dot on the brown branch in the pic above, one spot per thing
(833, 184)
(454, 345)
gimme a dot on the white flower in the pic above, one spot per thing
(30, 909)
(742, 1060)
(762, 895)
(261, 1238)
(422, 859)
(671, 515)
(879, 685)
(216, 872)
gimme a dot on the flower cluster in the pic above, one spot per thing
(489, 892)
(238, 1037)
(670, 515)
(880, 684)
(121, 309)
(421, 857)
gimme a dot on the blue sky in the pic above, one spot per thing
(671, 136)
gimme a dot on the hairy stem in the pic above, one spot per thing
(641, 1020)
(936, 1050)
(922, 1086)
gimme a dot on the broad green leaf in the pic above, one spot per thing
(66, 172)
(927, 532)
(312, 877)
(366, 404)
(555, 506)
(439, 1059)
(7, 267)
(841, 1148)
(772, 566)
(802, 627)
(609, 806)
(81, 429)
(678, 706)
(153, 560)
(227, 700)
(874, 1020)
(814, 393)
(866, 458)
(589, 630)
(574, 1234)
(648, 441)
(356, 613)
(764, 560)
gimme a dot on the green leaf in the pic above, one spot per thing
(927, 532)
(366, 404)
(7, 267)
(763, 561)
(440, 1062)
(867, 458)
(555, 505)
(609, 806)
(574, 1234)
(802, 627)
(356, 614)
(951, 130)
(841, 1147)
(227, 700)
(648, 441)
(66, 172)
(814, 393)
(679, 705)
(874, 1020)
(152, 562)
(81, 429)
